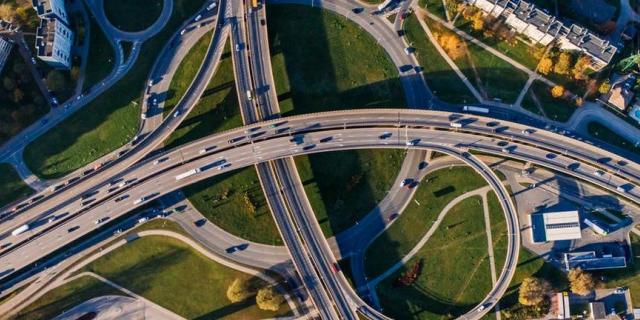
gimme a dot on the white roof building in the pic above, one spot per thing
(563, 225)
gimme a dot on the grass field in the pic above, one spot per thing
(434, 193)
(136, 15)
(605, 134)
(235, 202)
(434, 6)
(342, 68)
(175, 276)
(486, 71)
(66, 297)
(498, 231)
(109, 121)
(217, 110)
(186, 71)
(11, 186)
(556, 109)
(455, 275)
(345, 186)
(101, 56)
(441, 79)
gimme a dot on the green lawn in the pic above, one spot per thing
(487, 71)
(217, 110)
(136, 15)
(441, 79)
(21, 102)
(235, 202)
(517, 50)
(556, 109)
(498, 231)
(455, 275)
(186, 71)
(175, 276)
(11, 186)
(345, 186)
(607, 135)
(434, 6)
(101, 56)
(109, 121)
(342, 68)
(66, 297)
(434, 193)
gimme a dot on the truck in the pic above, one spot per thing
(20, 230)
(455, 124)
(187, 174)
(475, 109)
(597, 226)
(384, 5)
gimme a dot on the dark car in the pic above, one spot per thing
(200, 222)
(422, 165)
(327, 139)
(72, 229)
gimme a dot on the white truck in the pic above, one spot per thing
(455, 124)
(475, 109)
(20, 230)
(187, 174)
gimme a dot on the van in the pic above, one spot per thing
(249, 96)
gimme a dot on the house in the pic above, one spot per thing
(54, 38)
(591, 261)
(544, 28)
(621, 92)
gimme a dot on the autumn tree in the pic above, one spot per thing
(581, 282)
(452, 45)
(563, 64)
(477, 21)
(268, 299)
(6, 12)
(604, 87)
(533, 291)
(580, 68)
(545, 66)
(238, 291)
(557, 91)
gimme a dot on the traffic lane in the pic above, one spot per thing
(484, 145)
(329, 123)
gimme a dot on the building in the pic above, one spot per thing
(597, 311)
(53, 42)
(51, 9)
(5, 51)
(591, 261)
(621, 93)
(555, 226)
(54, 38)
(543, 28)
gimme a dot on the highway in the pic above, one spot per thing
(436, 127)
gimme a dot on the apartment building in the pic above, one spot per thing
(54, 38)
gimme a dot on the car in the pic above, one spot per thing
(599, 173)
(357, 10)
(100, 220)
(52, 219)
(393, 216)
(183, 32)
(413, 142)
(211, 6)
(54, 101)
(161, 160)
(237, 248)
(422, 165)
(385, 135)
(527, 132)
(33, 60)
(176, 114)
(122, 197)
(72, 229)
(198, 17)
(327, 139)
(237, 47)
(407, 50)
(620, 291)
(334, 267)
(262, 22)
(481, 308)
(200, 223)
(406, 182)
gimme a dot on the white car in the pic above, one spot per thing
(211, 6)
(183, 31)
(198, 18)
(599, 173)
(176, 114)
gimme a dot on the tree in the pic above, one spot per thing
(55, 81)
(563, 64)
(238, 291)
(580, 281)
(545, 66)
(452, 45)
(18, 95)
(269, 299)
(477, 21)
(557, 91)
(580, 67)
(533, 291)
(604, 87)
(6, 12)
